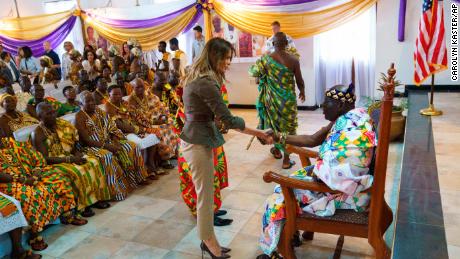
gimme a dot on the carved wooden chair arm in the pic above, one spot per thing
(301, 151)
(285, 181)
(292, 183)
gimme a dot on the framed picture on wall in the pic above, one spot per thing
(248, 47)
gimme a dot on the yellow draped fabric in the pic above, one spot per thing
(32, 27)
(207, 25)
(147, 37)
(297, 25)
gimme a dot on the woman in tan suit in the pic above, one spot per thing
(203, 104)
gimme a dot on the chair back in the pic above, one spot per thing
(381, 158)
(69, 117)
(58, 95)
(23, 134)
(374, 113)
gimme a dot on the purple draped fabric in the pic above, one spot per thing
(402, 20)
(270, 2)
(55, 38)
(136, 24)
(194, 20)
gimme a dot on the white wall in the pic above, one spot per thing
(243, 89)
(389, 49)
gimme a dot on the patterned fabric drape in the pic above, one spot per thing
(256, 19)
(299, 18)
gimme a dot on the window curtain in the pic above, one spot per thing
(335, 50)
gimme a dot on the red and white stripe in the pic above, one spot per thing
(430, 54)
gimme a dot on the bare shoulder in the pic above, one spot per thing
(292, 58)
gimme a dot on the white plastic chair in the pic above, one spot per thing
(16, 88)
(69, 117)
(23, 134)
(48, 89)
(143, 143)
(58, 95)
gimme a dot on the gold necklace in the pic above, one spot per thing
(55, 145)
(143, 103)
(121, 108)
(19, 118)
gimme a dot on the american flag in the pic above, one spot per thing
(430, 54)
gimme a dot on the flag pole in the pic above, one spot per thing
(431, 111)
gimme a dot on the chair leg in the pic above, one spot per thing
(382, 251)
(387, 217)
(338, 247)
(285, 247)
(308, 235)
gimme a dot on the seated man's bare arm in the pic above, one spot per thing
(310, 140)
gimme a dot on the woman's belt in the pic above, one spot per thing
(199, 117)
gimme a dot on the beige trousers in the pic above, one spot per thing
(200, 161)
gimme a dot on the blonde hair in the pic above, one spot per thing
(214, 52)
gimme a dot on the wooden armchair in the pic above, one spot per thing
(372, 224)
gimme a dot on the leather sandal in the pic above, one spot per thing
(38, 244)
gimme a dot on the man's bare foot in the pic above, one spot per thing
(276, 153)
(287, 163)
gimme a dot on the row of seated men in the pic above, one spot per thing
(60, 159)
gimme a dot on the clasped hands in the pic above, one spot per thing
(267, 137)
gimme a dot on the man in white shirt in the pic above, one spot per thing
(198, 43)
(269, 48)
(174, 46)
(66, 61)
(153, 58)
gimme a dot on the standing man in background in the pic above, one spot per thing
(174, 46)
(278, 73)
(66, 61)
(198, 43)
(269, 48)
(53, 55)
(154, 58)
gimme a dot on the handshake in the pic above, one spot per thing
(267, 137)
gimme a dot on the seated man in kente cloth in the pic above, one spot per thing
(346, 151)
(99, 134)
(56, 140)
(119, 112)
(38, 93)
(13, 119)
(100, 95)
(149, 114)
(43, 192)
(278, 73)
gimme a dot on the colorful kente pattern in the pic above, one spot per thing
(88, 180)
(343, 164)
(276, 104)
(187, 187)
(44, 202)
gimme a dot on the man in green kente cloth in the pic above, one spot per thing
(277, 75)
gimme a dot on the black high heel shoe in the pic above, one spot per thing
(204, 248)
(225, 250)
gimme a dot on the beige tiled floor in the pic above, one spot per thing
(153, 222)
(446, 131)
